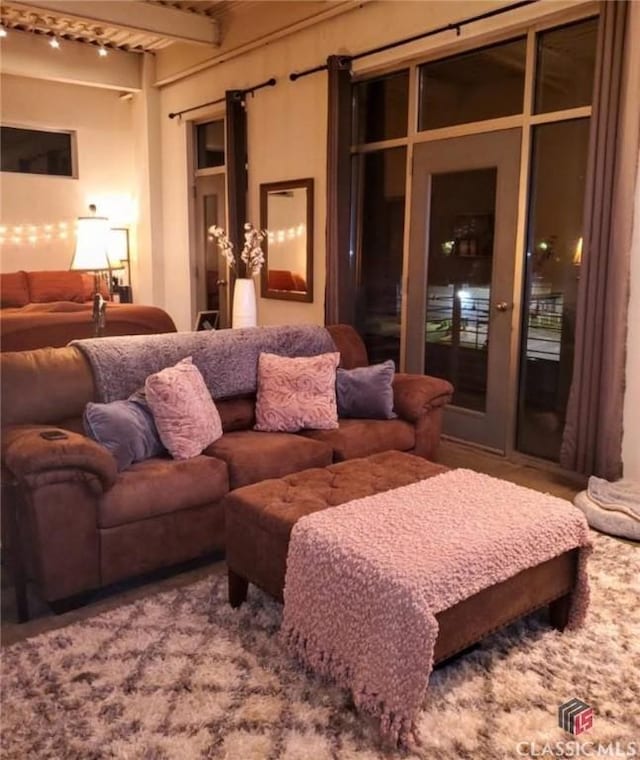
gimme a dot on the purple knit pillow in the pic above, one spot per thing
(296, 393)
(182, 407)
(125, 428)
(367, 392)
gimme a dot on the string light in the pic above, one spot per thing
(32, 233)
(280, 236)
(3, 31)
(55, 43)
(102, 51)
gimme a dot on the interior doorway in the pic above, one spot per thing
(462, 256)
(211, 267)
(210, 278)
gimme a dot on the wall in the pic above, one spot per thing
(287, 123)
(106, 177)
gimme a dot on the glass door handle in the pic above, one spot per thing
(502, 306)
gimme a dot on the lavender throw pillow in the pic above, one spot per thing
(366, 392)
(184, 412)
(125, 428)
(296, 393)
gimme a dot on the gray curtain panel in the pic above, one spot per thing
(592, 439)
(338, 300)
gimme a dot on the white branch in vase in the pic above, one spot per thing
(251, 255)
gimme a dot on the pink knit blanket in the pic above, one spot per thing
(366, 579)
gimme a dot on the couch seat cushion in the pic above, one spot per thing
(252, 456)
(360, 438)
(159, 486)
(14, 289)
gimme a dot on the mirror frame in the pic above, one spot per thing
(265, 189)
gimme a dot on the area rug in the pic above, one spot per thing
(182, 675)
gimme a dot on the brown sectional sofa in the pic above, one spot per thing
(83, 525)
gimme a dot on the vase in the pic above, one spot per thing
(244, 303)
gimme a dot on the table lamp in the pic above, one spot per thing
(91, 255)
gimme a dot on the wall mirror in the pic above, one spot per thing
(286, 211)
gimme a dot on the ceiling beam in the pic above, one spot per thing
(135, 15)
(28, 55)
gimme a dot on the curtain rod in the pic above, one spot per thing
(456, 26)
(239, 93)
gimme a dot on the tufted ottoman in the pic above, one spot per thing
(260, 517)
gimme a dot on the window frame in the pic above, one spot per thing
(529, 27)
(73, 134)
(208, 170)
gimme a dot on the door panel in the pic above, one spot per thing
(462, 257)
(211, 268)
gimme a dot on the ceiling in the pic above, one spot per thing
(136, 29)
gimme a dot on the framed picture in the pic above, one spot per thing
(207, 320)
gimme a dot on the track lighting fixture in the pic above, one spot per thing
(56, 37)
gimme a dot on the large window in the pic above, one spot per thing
(476, 86)
(457, 290)
(566, 61)
(554, 254)
(382, 107)
(35, 151)
(379, 264)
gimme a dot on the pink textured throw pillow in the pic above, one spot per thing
(183, 410)
(296, 393)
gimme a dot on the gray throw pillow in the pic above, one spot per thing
(366, 392)
(125, 428)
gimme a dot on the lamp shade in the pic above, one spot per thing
(92, 244)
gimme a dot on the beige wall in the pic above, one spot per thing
(105, 169)
(287, 125)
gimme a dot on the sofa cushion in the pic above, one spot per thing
(252, 456)
(159, 486)
(353, 352)
(55, 286)
(366, 392)
(296, 393)
(126, 428)
(237, 413)
(360, 438)
(14, 289)
(183, 410)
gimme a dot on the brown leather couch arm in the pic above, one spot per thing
(27, 456)
(417, 395)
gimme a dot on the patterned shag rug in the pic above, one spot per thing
(181, 675)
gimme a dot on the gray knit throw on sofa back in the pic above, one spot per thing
(227, 359)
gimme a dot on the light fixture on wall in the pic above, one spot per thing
(3, 31)
(92, 255)
(54, 42)
(102, 51)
